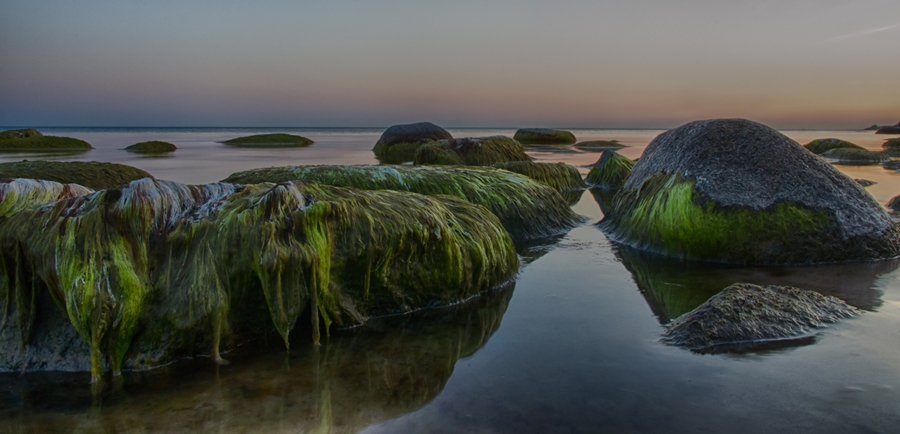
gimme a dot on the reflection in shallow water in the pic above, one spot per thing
(359, 377)
(673, 288)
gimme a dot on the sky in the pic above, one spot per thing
(461, 63)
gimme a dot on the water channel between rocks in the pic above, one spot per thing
(571, 346)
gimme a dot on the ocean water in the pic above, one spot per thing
(571, 346)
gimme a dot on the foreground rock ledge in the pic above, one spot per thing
(153, 271)
(736, 191)
(744, 313)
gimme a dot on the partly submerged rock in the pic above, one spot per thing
(91, 174)
(153, 271)
(562, 177)
(864, 182)
(527, 208)
(891, 144)
(894, 129)
(279, 140)
(33, 140)
(744, 314)
(736, 191)
(820, 146)
(152, 147)
(872, 127)
(544, 136)
(398, 144)
(599, 145)
(610, 171)
(893, 204)
(853, 156)
(892, 165)
(471, 151)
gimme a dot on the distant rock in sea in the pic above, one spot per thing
(398, 144)
(544, 136)
(471, 151)
(599, 145)
(696, 183)
(91, 174)
(852, 156)
(821, 146)
(893, 129)
(270, 141)
(873, 127)
(152, 147)
(865, 182)
(33, 140)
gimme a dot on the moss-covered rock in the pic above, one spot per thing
(160, 267)
(526, 208)
(737, 191)
(891, 144)
(279, 140)
(33, 140)
(599, 145)
(610, 171)
(92, 174)
(820, 146)
(893, 129)
(855, 156)
(892, 165)
(21, 194)
(398, 144)
(472, 151)
(544, 136)
(562, 177)
(152, 147)
(744, 314)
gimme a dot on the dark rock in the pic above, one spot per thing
(92, 174)
(471, 151)
(865, 182)
(599, 145)
(744, 313)
(695, 184)
(891, 144)
(853, 156)
(893, 204)
(544, 136)
(399, 143)
(873, 127)
(820, 146)
(894, 129)
(892, 165)
(270, 141)
(152, 147)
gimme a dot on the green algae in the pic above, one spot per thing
(855, 156)
(599, 145)
(526, 208)
(562, 177)
(151, 147)
(544, 136)
(21, 194)
(668, 216)
(161, 265)
(820, 146)
(481, 151)
(91, 174)
(401, 152)
(33, 140)
(610, 171)
(270, 140)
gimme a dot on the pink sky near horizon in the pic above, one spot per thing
(790, 64)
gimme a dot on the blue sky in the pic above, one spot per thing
(641, 63)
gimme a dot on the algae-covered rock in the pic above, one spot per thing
(820, 146)
(279, 140)
(21, 194)
(891, 144)
(471, 151)
(610, 171)
(148, 271)
(854, 156)
(892, 165)
(560, 176)
(864, 182)
(33, 140)
(894, 204)
(92, 174)
(599, 145)
(544, 136)
(527, 209)
(398, 144)
(737, 191)
(152, 147)
(744, 313)
(894, 129)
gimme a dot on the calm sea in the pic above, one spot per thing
(572, 346)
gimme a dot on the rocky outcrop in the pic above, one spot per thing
(820, 146)
(744, 314)
(527, 208)
(893, 204)
(599, 145)
(854, 156)
(152, 271)
(32, 140)
(610, 171)
(893, 129)
(471, 151)
(544, 136)
(736, 191)
(91, 174)
(270, 141)
(152, 147)
(398, 144)
(560, 176)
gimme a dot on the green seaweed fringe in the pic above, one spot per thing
(562, 177)
(91, 174)
(526, 208)
(166, 263)
(610, 171)
(397, 153)
(820, 146)
(481, 151)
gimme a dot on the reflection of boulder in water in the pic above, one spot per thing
(745, 314)
(359, 377)
(673, 288)
(604, 198)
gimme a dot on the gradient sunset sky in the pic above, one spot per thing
(640, 63)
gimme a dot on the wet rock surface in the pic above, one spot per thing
(695, 184)
(746, 314)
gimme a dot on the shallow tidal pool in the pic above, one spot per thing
(571, 346)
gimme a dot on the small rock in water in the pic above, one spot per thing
(894, 204)
(744, 313)
(865, 182)
(892, 165)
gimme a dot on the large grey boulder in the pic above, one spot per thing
(399, 142)
(732, 190)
